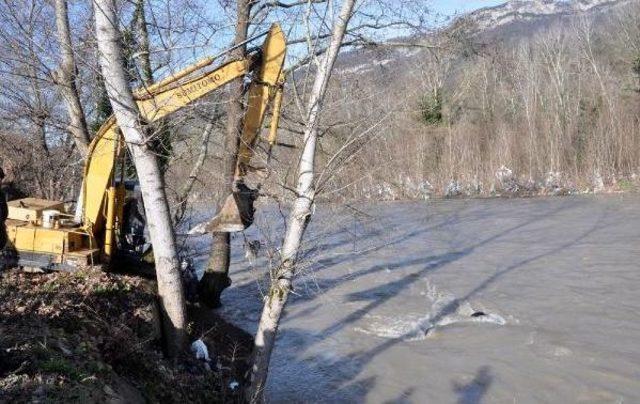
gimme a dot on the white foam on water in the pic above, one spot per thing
(390, 327)
(445, 310)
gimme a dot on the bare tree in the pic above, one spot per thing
(216, 277)
(170, 288)
(31, 103)
(304, 21)
(66, 78)
(300, 216)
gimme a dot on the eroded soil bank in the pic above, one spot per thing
(94, 337)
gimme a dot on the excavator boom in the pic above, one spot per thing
(108, 143)
(172, 94)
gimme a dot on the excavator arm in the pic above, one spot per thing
(172, 94)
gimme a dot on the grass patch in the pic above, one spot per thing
(62, 367)
(627, 185)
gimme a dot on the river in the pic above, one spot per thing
(458, 301)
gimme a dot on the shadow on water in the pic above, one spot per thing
(319, 286)
(340, 375)
(450, 220)
(452, 306)
(345, 370)
(324, 264)
(474, 391)
(379, 295)
(404, 397)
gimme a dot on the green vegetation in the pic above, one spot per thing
(431, 108)
(62, 366)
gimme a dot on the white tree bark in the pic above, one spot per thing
(300, 215)
(66, 79)
(170, 288)
(142, 36)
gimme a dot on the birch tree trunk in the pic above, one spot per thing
(65, 77)
(170, 288)
(161, 143)
(300, 215)
(216, 277)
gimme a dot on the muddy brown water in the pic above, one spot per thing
(386, 309)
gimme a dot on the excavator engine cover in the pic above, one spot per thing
(236, 213)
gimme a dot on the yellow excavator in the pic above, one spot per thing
(42, 235)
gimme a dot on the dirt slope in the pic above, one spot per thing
(93, 337)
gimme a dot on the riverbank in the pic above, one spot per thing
(94, 337)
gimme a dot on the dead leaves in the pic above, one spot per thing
(66, 336)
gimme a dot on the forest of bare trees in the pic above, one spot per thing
(380, 103)
(553, 111)
(548, 110)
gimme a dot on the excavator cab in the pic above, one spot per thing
(132, 242)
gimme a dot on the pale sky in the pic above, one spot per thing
(440, 11)
(451, 7)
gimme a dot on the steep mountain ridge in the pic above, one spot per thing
(531, 10)
(504, 23)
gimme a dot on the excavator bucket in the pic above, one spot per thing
(236, 213)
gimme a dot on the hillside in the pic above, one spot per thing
(526, 98)
(514, 19)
